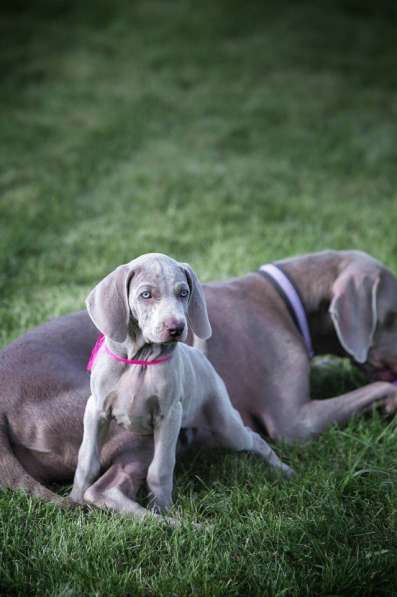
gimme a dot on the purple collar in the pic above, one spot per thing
(290, 295)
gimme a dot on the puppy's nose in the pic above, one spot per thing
(175, 329)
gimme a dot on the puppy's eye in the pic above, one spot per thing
(184, 293)
(146, 294)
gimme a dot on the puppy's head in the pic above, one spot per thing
(364, 313)
(154, 296)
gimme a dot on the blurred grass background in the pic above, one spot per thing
(227, 134)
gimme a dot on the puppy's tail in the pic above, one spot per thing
(14, 476)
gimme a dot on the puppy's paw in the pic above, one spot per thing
(64, 502)
(287, 471)
(159, 504)
(389, 405)
(77, 496)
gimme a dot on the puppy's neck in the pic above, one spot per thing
(136, 348)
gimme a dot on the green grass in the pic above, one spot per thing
(225, 133)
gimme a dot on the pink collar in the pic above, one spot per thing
(101, 342)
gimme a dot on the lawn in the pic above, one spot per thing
(227, 134)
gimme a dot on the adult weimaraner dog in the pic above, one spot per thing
(351, 303)
(146, 379)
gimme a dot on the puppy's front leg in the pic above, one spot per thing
(96, 423)
(161, 469)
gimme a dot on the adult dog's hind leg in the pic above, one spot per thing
(14, 476)
(117, 488)
(230, 432)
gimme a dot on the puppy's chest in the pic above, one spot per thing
(139, 404)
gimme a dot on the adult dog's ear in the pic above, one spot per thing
(107, 303)
(353, 310)
(197, 311)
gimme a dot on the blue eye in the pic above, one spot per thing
(146, 294)
(184, 293)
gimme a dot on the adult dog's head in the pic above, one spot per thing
(153, 296)
(364, 313)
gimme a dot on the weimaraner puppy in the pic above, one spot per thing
(350, 300)
(150, 383)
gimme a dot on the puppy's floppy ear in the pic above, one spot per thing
(107, 303)
(353, 310)
(197, 312)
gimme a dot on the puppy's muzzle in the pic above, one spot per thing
(175, 329)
